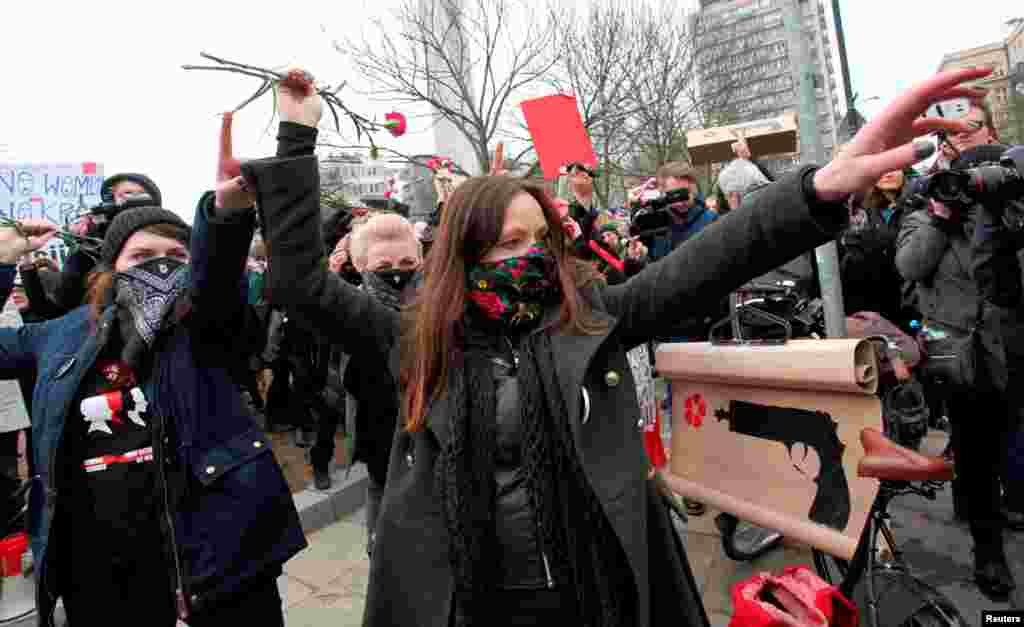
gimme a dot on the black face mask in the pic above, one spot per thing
(147, 296)
(387, 285)
(397, 279)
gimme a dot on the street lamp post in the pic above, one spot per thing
(812, 151)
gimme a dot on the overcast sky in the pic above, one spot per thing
(101, 81)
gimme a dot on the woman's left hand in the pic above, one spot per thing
(884, 144)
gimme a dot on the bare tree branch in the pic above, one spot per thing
(466, 59)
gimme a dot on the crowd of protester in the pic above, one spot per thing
(490, 369)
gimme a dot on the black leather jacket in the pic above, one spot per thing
(524, 564)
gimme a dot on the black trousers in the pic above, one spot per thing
(980, 427)
(141, 596)
(259, 605)
(322, 451)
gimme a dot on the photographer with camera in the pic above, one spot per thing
(682, 209)
(934, 250)
(118, 193)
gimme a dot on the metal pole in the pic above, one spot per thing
(841, 44)
(811, 151)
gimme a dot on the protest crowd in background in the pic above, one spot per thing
(156, 369)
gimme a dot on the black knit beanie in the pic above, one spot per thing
(128, 222)
(107, 189)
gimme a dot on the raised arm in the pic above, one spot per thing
(220, 245)
(17, 346)
(286, 189)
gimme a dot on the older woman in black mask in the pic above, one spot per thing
(517, 489)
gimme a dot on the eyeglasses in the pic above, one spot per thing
(973, 126)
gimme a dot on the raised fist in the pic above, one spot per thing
(297, 100)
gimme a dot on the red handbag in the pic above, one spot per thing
(796, 598)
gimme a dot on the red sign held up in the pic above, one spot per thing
(558, 134)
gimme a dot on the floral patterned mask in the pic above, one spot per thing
(513, 292)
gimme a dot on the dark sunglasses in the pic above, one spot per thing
(579, 167)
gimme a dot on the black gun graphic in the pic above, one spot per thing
(817, 430)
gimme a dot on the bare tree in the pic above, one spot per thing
(466, 59)
(598, 52)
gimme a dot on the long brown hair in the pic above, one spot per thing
(471, 224)
(100, 283)
(880, 199)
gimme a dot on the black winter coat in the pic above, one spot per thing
(411, 581)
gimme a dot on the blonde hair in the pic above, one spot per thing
(386, 227)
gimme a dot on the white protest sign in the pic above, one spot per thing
(57, 192)
(13, 413)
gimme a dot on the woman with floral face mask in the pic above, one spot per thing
(517, 491)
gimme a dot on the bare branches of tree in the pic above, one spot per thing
(466, 59)
(598, 52)
(665, 86)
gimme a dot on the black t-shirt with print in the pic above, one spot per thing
(111, 461)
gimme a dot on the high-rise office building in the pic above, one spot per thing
(744, 62)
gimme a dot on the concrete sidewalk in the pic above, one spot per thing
(325, 585)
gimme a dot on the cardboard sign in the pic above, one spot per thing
(57, 192)
(771, 434)
(558, 134)
(773, 451)
(772, 136)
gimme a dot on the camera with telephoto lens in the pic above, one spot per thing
(997, 185)
(652, 215)
(104, 213)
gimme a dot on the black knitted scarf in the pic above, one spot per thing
(583, 551)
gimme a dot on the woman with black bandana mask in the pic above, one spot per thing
(156, 497)
(517, 489)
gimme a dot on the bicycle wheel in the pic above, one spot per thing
(743, 541)
(906, 601)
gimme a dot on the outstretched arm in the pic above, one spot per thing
(786, 219)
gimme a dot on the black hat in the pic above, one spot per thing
(107, 190)
(128, 222)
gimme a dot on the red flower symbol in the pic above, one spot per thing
(695, 410)
(438, 163)
(489, 302)
(395, 123)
